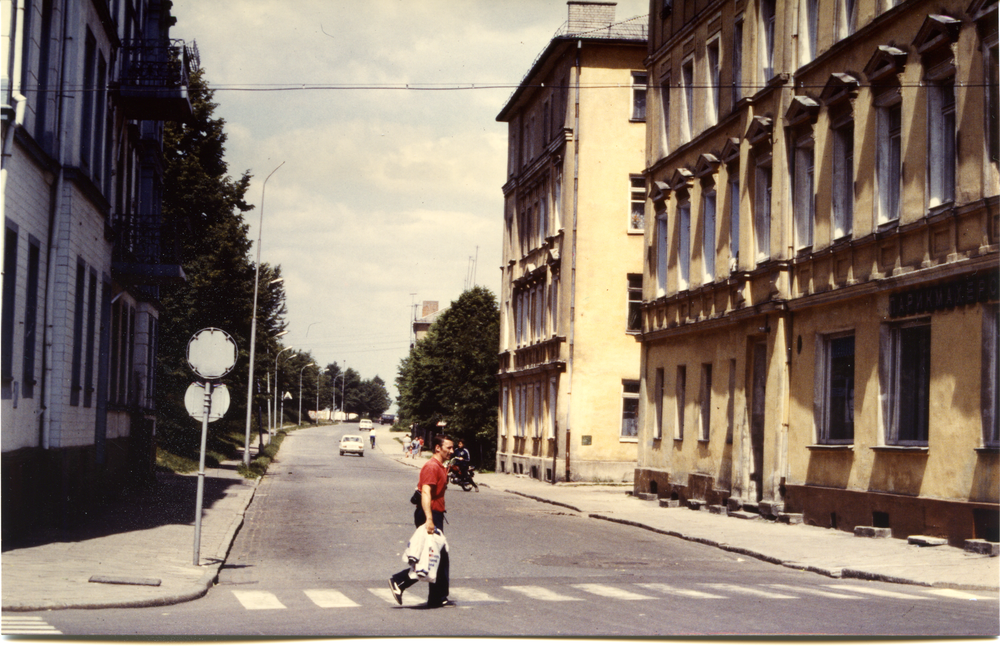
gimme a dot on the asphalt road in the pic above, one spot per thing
(325, 531)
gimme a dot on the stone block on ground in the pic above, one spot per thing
(982, 547)
(646, 496)
(791, 518)
(696, 504)
(925, 540)
(670, 503)
(718, 509)
(872, 531)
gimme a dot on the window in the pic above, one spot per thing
(634, 303)
(889, 162)
(734, 220)
(76, 386)
(88, 359)
(89, 98)
(687, 77)
(30, 319)
(991, 377)
(762, 210)
(845, 18)
(767, 20)
(731, 403)
(713, 82)
(680, 399)
(808, 33)
(661, 253)
(993, 101)
(101, 102)
(835, 384)
(941, 142)
(683, 245)
(843, 179)
(665, 117)
(553, 394)
(554, 305)
(637, 204)
(504, 420)
(543, 215)
(639, 96)
(537, 420)
(705, 397)
(708, 237)
(804, 205)
(738, 59)
(906, 364)
(9, 294)
(556, 222)
(658, 405)
(630, 409)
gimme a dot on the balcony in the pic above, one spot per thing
(147, 250)
(151, 80)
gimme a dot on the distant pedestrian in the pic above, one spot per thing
(371, 435)
(432, 483)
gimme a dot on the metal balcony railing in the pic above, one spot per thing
(147, 249)
(152, 79)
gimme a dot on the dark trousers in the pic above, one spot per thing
(438, 591)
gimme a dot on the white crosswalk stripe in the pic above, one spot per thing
(329, 599)
(612, 592)
(471, 595)
(258, 600)
(876, 592)
(687, 593)
(383, 594)
(541, 593)
(971, 596)
(746, 590)
(27, 626)
(811, 591)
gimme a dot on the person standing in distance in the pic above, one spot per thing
(430, 513)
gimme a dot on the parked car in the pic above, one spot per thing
(365, 425)
(352, 445)
(388, 419)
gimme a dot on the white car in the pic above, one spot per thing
(352, 445)
(365, 425)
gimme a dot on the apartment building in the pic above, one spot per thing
(819, 315)
(572, 251)
(86, 87)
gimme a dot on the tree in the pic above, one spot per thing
(450, 375)
(200, 196)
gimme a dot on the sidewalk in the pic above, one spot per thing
(833, 553)
(141, 548)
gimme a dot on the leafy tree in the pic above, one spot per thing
(200, 196)
(450, 375)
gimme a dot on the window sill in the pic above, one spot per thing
(901, 449)
(830, 448)
(628, 439)
(636, 232)
(994, 449)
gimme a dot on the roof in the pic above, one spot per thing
(635, 30)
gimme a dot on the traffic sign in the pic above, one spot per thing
(211, 353)
(194, 401)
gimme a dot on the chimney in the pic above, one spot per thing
(430, 307)
(587, 16)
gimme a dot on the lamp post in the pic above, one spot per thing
(276, 381)
(318, 373)
(339, 377)
(253, 324)
(300, 389)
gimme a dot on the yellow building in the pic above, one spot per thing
(572, 273)
(820, 290)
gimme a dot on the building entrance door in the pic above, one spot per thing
(757, 407)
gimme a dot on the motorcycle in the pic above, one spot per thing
(456, 477)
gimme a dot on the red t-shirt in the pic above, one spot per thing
(434, 474)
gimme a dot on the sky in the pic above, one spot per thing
(386, 195)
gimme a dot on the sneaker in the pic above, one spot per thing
(397, 593)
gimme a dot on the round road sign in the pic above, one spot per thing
(211, 353)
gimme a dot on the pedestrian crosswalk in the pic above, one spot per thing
(256, 600)
(18, 625)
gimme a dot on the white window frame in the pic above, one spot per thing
(804, 183)
(637, 204)
(713, 80)
(709, 201)
(734, 220)
(889, 159)
(941, 140)
(809, 31)
(631, 397)
(846, 18)
(738, 29)
(843, 178)
(687, 81)
(768, 33)
(640, 85)
(634, 302)
(823, 389)
(683, 245)
(665, 116)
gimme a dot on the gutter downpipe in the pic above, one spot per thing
(572, 288)
(45, 423)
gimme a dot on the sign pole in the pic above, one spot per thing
(201, 473)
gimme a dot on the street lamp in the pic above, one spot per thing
(276, 380)
(339, 377)
(318, 373)
(253, 324)
(300, 389)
